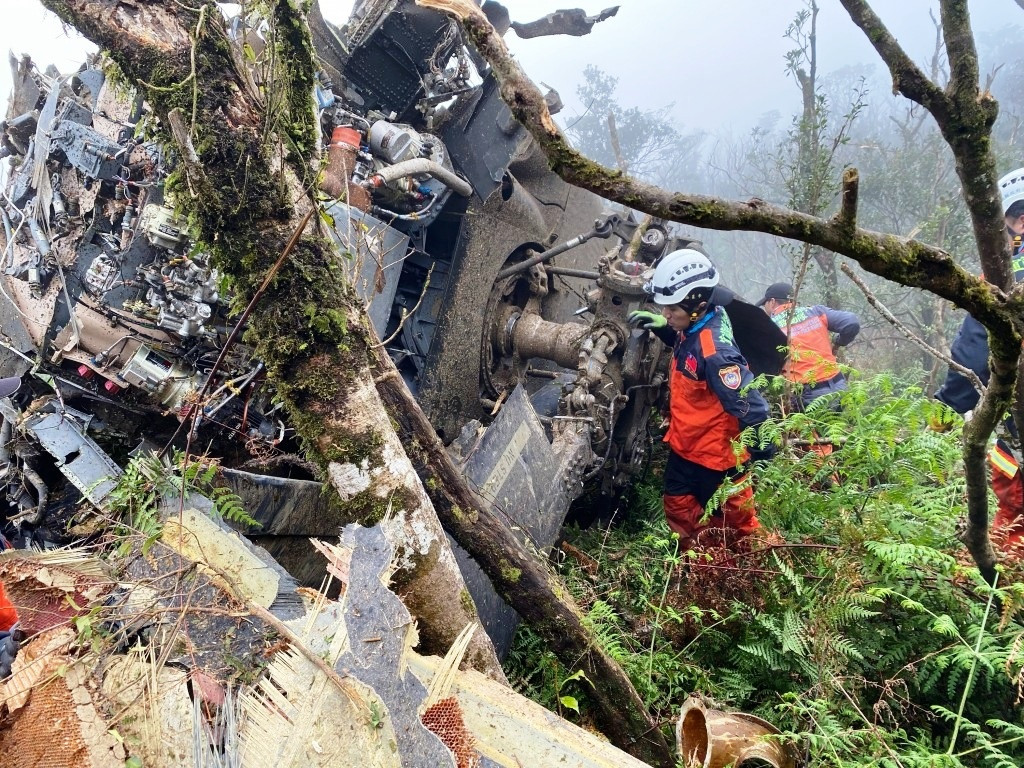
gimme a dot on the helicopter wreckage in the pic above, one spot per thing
(500, 292)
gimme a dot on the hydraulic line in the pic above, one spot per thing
(416, 167)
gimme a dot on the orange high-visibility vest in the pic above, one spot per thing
(811, 359)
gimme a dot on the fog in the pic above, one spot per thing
(720, 63)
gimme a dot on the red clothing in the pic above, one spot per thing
(1009, 489)
(685, 513)
(8, 615)
(699, 428)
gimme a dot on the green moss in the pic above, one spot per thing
(365, 508)
(297, 76)
(354, 449)
(466, 601)
(509, 573)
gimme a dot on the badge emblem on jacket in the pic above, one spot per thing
(730, 376)
(690, 366)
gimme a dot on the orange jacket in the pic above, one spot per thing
(708, 407)
(810, 329)
(8, 616)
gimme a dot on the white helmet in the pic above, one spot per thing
(681, 275)
(1011, 188)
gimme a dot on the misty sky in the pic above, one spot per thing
(720, 62)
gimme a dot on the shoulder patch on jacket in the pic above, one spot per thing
(707, 342)
(731, 376)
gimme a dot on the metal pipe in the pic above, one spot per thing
(42, 493)
(6, 432)
(416, 167)
(711, 738)
(542, 374)
(376, 210)
(568, 272)
(9, 235)
(522, 266)
(529, 335)
(37, 235)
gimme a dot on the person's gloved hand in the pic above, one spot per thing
(764, 453)
(647, 320)
(8, 650)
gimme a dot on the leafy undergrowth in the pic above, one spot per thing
(855, 622)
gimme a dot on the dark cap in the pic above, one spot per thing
(9, 386)
(777, 291)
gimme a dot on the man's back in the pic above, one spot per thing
(809, 330)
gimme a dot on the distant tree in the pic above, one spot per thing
(807, 161)
(650, 146)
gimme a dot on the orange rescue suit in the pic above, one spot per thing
(709, 402)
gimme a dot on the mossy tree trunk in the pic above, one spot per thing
(964, 114)
(246, 179)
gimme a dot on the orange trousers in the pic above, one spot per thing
(738, 514)
(1009, 517)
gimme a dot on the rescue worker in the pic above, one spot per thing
(811, 364)
(8, 614)
(970, 349)
(8, 633)
(710, 399)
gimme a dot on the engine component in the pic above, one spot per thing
(417, 167)
(60, 212)
(343, 172)
(90, 152)
(183, 291)
(161, 226)
(394, 143)
(102, 274)
(168, 381)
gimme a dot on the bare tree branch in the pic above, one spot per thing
(909, 334)
(963, 57)
(963, 116)
(613, 134)
(847, 215)
(907, 78)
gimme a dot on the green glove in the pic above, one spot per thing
(647, 320)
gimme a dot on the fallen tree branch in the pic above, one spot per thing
(309, 329)
(521, 577)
